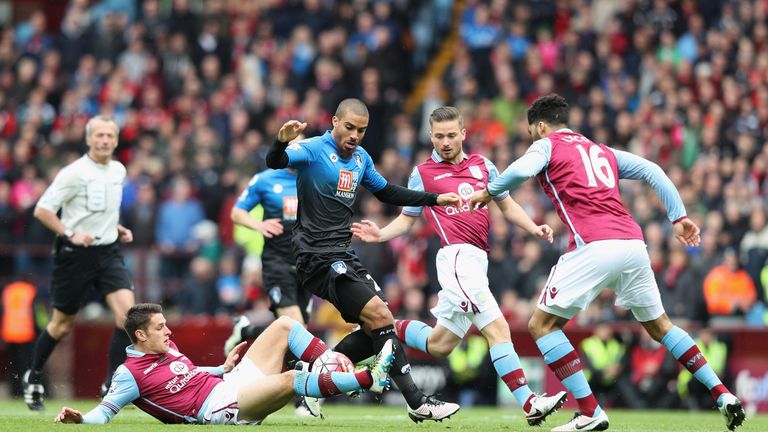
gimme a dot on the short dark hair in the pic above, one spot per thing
(355, 106)
(552, 109)
(138, 317)
(446, 113)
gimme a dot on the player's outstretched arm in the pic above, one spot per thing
(687, 232)
(69, 415)
(368, 232)
(276, 157)
(515, 214)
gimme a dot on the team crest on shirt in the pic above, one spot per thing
(179, 368)
(278, 188)
(333, 157)
(339, 267)
(476, 172)
(358, 160)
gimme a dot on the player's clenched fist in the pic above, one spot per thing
(69, 415)
(449, 198)
(290, 130)
(479, 199)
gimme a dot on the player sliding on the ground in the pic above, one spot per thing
(462, 262)
(165, 384)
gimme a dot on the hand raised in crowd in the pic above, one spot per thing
(290, 130)
(367, 231)
(687, 232)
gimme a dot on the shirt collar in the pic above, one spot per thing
(564, 130)
(436, 157)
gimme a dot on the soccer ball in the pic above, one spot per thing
(332, 361)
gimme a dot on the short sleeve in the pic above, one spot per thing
(372, 180)
(302, 153)
(492, 174)
(63, 188)
(251, 196)
(414, 183)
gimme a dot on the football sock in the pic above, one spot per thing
(507, 365)
(401, 369)
(252, 331)
(303, 345)
(413, 333)
(330, 383)
(357, 346)
(116, 355)
(682, 347)
(563, 360)
(43, 349)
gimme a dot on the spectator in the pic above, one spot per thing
(728, 289)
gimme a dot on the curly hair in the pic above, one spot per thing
(551, 109)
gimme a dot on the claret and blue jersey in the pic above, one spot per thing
(327, 185)
(275, 190)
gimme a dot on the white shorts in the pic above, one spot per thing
(465, 297)
(581, 274)
(221, 405)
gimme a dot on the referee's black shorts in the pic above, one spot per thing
(78, 269)
(281, 285)
(339, 278)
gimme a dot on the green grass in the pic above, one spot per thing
(14, 416)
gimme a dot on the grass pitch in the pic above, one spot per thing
(14, 416)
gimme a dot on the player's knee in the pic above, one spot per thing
(285, 322)
(61, 329)
(440, 349)
(377, 314)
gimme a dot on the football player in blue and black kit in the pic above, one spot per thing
(330, 169)
(275, 191)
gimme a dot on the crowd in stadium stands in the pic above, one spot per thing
(199, 89)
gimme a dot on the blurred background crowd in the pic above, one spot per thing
(199, 89)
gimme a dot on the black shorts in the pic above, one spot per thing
(77, 269)
(282, 287)
(340, 279)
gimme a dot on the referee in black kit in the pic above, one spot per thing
(86, 254)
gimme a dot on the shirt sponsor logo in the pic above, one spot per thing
(339, 267)
(476, 172)
(465, 190)
(347, 184)
(290, 207)
(345, 180)
(179, 381)
(442, 176)
(179, 368)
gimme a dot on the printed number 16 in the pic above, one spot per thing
(597, 166)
